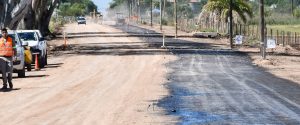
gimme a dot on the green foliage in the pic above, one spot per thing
(277, 19)
(185, 11)
(76, 7)
(268, 12)
(207, 30)
(116, 3)
(277, 12)
(164, 21)
(251, 41)
(297, 13)
(241, 7)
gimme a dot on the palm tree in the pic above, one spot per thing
(221, 8)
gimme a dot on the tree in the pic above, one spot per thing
(11, 12)
(78, 8)
(36, 14)
(39, 15)
(221, 7)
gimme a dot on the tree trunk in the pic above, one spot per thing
(12, 11)
(39, 15)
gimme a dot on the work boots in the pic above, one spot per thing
(11, 86)
(4, 87)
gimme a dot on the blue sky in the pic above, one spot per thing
(102, 4)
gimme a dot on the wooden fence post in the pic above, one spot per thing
(257, 31)
(295, 38)
(236, 29)
(266, 33)
(240, 29)
(245, 30)
(289, 38)
(253, 28)
(249, 34)
(283, 38)
(271, 31)
(277, 34)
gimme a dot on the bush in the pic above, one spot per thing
(297, 13)
(164, 22)
(207, 30)
(277, 19)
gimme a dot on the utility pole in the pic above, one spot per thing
(151, 13)
(231, 24)
(262, 29)
(161, 14)
(175, 13)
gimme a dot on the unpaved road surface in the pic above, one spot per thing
(83, 86)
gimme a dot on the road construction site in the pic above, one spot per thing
(109, 75)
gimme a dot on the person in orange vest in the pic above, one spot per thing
(7, 51)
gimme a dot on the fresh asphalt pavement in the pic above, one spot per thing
(212, 86)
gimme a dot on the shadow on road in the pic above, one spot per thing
(54, 65)
(29, 76)
(9, 90)
(146, 45)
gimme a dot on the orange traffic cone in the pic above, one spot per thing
(36, 67)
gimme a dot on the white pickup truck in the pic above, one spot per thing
(37, 44)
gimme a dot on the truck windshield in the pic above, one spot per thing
(81, 18)
(28, 36)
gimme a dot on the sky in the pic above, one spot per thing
(102, 4)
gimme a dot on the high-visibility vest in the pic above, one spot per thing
(6, 47)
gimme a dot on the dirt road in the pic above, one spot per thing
(84, 86)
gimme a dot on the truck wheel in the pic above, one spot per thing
(21, 73)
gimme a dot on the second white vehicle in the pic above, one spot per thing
(37, 44)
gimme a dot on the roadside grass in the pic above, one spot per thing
(290, 28)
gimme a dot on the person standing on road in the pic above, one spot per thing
(7, 51)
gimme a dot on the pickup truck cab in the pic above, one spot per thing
(37, 44)
(18, 59)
